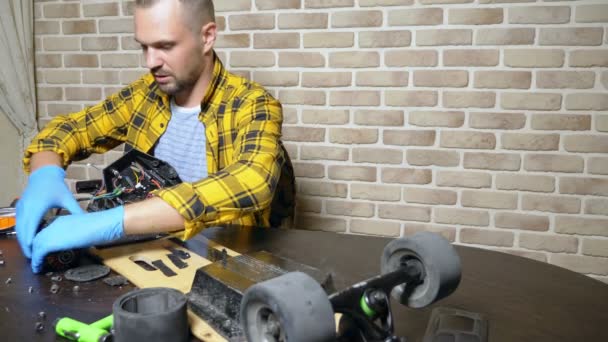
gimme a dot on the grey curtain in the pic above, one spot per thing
(17, 84)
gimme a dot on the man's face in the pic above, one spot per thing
(173, 52)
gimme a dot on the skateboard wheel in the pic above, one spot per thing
(154, 314)
(292, 307)
(440, 263)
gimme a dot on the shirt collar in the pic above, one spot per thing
(217, 80)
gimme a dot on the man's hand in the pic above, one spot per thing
(77, 231)
(45, 189)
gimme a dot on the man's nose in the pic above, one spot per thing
(153, 59)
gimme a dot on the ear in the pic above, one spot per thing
(208, 36)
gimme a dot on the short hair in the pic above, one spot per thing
(199, 12)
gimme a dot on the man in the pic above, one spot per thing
(188, 103)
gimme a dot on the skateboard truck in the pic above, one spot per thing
(263, 297)
(366, 306)
(416, 271)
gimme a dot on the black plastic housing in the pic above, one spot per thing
(153, 174)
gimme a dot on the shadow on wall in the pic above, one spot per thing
(10, 164)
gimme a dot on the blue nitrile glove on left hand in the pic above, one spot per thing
(77, 231)
(46, 189)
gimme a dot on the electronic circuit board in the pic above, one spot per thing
(131, 179)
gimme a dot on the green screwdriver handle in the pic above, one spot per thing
(78, 331)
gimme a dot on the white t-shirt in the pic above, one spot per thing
(183, 145)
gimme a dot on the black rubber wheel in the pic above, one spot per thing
(440, 263)
(154, 314)
(292, 307)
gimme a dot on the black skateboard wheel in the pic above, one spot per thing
(440, 263)
(292, 307)
(155, 314)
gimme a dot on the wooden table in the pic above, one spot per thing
(522, 299)
(19, 309)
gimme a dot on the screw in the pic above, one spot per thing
(76, 288)
(30, 289)
(9, 280)
(42, 315)
(224, 257)
(39, 326)
(93, 166)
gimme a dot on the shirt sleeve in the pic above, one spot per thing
(95, 129)
(246, 185)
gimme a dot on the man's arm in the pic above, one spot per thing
(67, 137)
(151, 216)
(88, 229)
(239, 189)
(44, 158)
(95, 129)
(46, 189)
(245, 186)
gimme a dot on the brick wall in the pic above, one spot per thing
(484, 120)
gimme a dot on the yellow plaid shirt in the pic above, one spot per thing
(244, 154)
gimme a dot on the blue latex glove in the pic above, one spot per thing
(77, 231)
(45, 190)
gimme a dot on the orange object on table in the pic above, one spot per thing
(7, 218)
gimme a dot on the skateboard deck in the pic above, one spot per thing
(122, 259)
